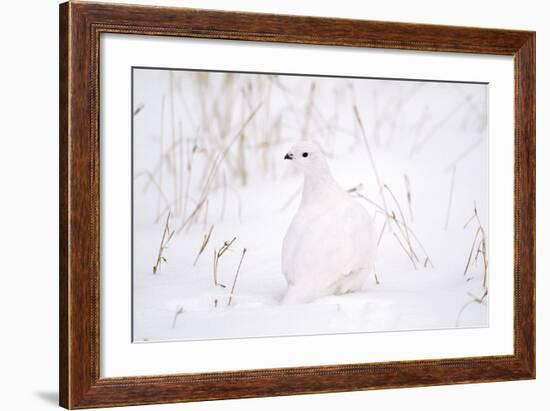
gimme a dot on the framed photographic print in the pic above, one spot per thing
(258, 205)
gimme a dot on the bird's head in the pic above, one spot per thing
(307, 157)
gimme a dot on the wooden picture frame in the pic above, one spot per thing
(80, 27)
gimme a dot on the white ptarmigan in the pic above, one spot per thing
(330, 246)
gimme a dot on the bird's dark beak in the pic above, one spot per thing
(289, 156)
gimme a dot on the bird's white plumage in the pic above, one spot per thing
(330, 246)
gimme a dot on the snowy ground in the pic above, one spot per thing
(432, 133)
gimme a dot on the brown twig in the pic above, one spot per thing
(405, 227)
(214, 169)
(409, 195)
(473, 300)
(236, 276)
(217, 255)
(479, 300)
(188, 182)
(355, 188)
(481, 246)
(418, 146)
(205, 240)
(398, 222)
(382, 231)
(152, 180)
(224, 197)
(138, 109)
(464, 154)
(179, 311)
(478, 232)
(371, 157)
(166, 237)
(451, 192)
(405, 250)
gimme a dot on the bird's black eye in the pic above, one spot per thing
(305, 154)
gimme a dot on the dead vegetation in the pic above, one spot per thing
(236, 277)
(412, 246)
(371, 158)
(450, 203)
(479, 247)
(179, 311)
(409, 196)
(217, 256)
(478, 251)
(204, 243)
(214, 169)
(167, 235)
(398, 226)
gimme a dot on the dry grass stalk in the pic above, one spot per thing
(480, 245)
(179, 196)
(157, 185)
(138, 109)
(479, 300)
(463, 155)
(205, 214)
(166, 155)
(402, 227)
(161, 147)
(190, 155)
(226, 245)
(405, 250)
(173, 157)
(376, 214)
(409, 195)
(392, 217)
(236, 277)
(179, 311)
(371, 157)
(224, 197)
(474, 243)
(469, 221)
(451, 192)
(355, 188)
(389, 113)
(190, 158)
(241, 164)
(419, 243)
(214, 170)
(474, 299)
(205, 241)
(167, 235)
(309, 109)
(239, 202)
(378, 207)
(217, 255)
(215, 268)
(382, 231)
(162, 213)
(417, 147)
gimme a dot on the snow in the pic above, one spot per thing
(418, 129)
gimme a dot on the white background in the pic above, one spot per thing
(28, 221)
